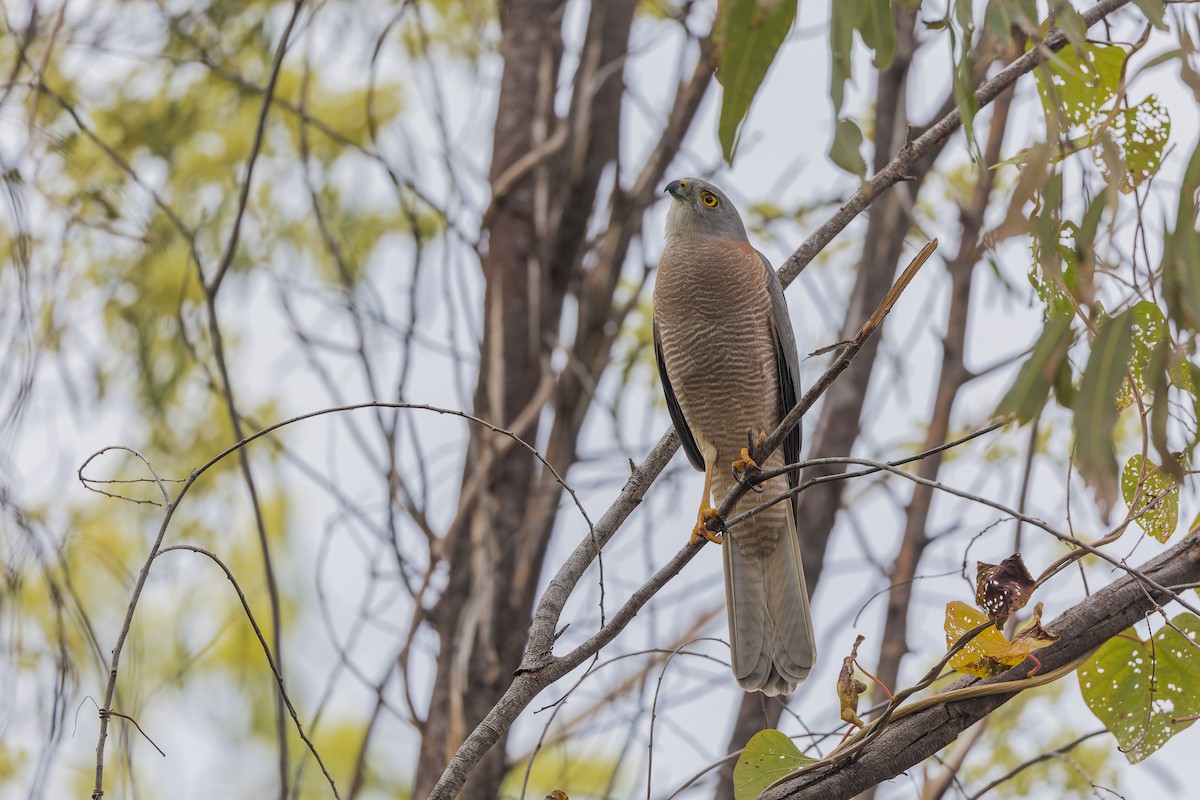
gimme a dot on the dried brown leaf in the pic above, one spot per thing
(849, 687)
(1002, 589)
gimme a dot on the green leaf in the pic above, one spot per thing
(1153, 9)
(1077, 82)
(1135, 688)
(1181, 254)
(961, 35)
(1039, 372)
(1096, 406)
(1056, 268)
(1149, 336)
(846, 150)
(1072, 24)
(1155, 491)
(1003, 16)
(769, 756)
(1138, 136)
(1184, 374)
(1048, 153)
(879, 31)
(844, 16)
(748, 35)
(1160, 412)
(1085, 237)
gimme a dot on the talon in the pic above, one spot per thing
(701, 530)
(739, 476)
(745, 465)
(745, 462)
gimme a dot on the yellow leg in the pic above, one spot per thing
(706, 512)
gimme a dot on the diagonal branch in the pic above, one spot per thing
(1084, 627)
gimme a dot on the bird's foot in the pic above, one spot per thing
(701, 531)
(746, 467)
(746, 462)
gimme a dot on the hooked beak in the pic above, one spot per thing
(675, 188)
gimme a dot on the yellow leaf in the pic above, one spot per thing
(989, 653)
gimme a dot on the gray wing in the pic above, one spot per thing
(787, 365)
(681, 427)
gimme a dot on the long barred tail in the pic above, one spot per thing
(770, 624)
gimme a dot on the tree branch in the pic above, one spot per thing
(1084, 627)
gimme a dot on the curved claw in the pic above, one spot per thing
(738, 475)
(746, 466)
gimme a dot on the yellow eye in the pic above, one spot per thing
(709, 199)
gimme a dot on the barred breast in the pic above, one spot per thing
(713, 315)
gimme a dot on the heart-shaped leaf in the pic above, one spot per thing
(1138, 688)
(769, 756)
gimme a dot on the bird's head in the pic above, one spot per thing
(700, 209)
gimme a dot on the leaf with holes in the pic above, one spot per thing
(1055, 269)
(769, 756)
(1149, 336)
(1157, 496)
(1138, 136)
(989, 653)
(748, 34)
(1183, 373)
(1077, 82)
(1137, 688)
(1096, 408)
(1002, 589)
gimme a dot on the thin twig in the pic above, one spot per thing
(135, 724)
(265, 648)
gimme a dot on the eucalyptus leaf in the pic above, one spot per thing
(1154, 10)
(1096, 407)
(1139, 135)
(1040, 371)
(1149, 336)
(748, 34)
(879, 31)
(846, 150)
(1181, 254)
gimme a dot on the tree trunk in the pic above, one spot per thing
(545, 176)
(481, 641)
